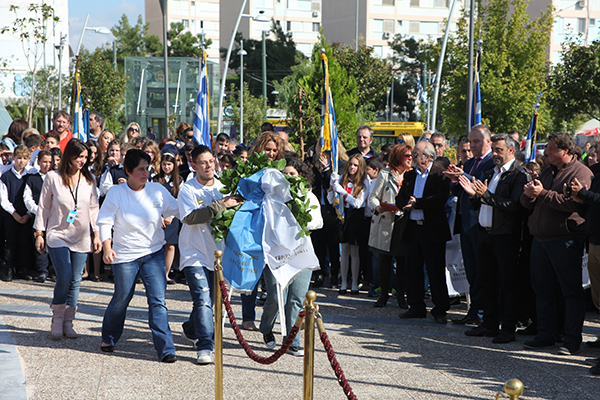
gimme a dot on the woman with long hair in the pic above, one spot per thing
(352, 189)
(67, 213)
(388, 223)
(271, 144)
(133, 130)
(104, 140)
(13, 137)
(96, 168)
(151, 148)
(168, 176)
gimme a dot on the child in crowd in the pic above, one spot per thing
(31, 197)
(222, 143)
(241, 152)
(17, 221)
(115, 174)
(56, 156)
(34, 143)
(227, 161)
(52, 140)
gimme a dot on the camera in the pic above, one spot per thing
(568, 190)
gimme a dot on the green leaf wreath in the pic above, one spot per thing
(299, 205)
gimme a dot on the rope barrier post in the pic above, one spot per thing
(513, 388)
(218, 274)
(309, 345)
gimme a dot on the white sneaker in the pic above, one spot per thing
(204, 357)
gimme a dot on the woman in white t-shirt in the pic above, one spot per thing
(133, 211)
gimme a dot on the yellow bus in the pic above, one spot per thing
(387, 132)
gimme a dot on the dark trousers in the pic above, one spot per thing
(555, 273)
(42, 261)
(366, 265)
(18, 250)
(468, 247)
(421, 251)
(326, 240)
(498, 267)
(385, 274)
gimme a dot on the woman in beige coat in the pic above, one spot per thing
(388, 223)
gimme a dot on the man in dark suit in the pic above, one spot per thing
(422, 198)
(466, 218)
(499, 239)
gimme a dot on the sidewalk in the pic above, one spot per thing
(383, 357)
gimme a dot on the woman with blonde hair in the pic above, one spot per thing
(133, 130)
(271, 144)
(104, 140)
(352, 188)
(406, 139)
(151, 148)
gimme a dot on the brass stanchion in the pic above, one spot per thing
(309, 344)
(513, 388)
(218, 326)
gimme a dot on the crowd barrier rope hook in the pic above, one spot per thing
(513, 388)
(309, 344)
(218, 276)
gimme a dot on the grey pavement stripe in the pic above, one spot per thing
(12, 384)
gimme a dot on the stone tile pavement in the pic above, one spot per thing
(382, 356)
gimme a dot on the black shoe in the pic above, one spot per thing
(24, 276)
(51, 278)
(6, 275)
(343, 291)
(595, 370)
(381, 301)
(595, 344)
(440, 319)
(169, 358)
(270, 341)
(96, 279)
(504, 337)
(531, 330)
(354, 292)
(402, 302)
(481, 331)
(467, 320)
(537, 344)
(107, 349)
(412, 314)
(41, 278)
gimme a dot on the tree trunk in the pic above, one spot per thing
(30, 111)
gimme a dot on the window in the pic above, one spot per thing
(316, 6)
(414, 27)
(440, 3)
(414, 3)
(388, 25)
(592, 22)
(377, 26)
(186, 23)
(316, 26)
(581, 25)
(387, 2)
(201, 24)
(429, 28)
(289, 25)
(193, 4)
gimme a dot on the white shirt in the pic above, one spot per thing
(196, 243)
(317, 218)
(4, 201)
(106, 181)
(31, 205)
(135, 217)
(485, 211)
(420, 180)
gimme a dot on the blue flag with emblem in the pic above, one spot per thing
(329, 134)
(201, 121)
(79, 130)
(532, 131)
(476, 113)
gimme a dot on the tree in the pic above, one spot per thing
(182, 43)
(254, 112)
(574, 83)
(281, 57)
(513, 67)
(302, 95)
(132, 40)
(33, 34)
(103, 88)
(407, 69)
(373, 75)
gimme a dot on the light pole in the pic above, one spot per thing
(242, 53)
(264, 68)
(100, 29)
(260, 18)
(59, 47)
(163, 8)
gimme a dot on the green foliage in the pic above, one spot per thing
(298, 205)
(574, 83)
(407, 67)
(513, 67)
(103, 87)
(184, 44)
(282, 56)
(254, 112)
(302, 95)
(32, 31)
(132, 40)
(373, 75)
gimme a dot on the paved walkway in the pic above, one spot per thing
(382, 356)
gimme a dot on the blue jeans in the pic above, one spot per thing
(200, 325)
(68, 266)
(152, 271)
(555, 272)
(249, 305)
(293, 296)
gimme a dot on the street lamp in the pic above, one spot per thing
(242, 53)
(59, 47)
(259, 18)
(100, 29)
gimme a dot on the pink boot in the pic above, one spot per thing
(68, 322)
(58, 315)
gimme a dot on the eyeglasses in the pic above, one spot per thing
(417, 155)
(400, 141)
(437, 144)
(190, 137)
(407, 156)
(205, 163)
(133, 129)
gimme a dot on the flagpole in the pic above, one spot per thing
(438, 74)
(470, 77)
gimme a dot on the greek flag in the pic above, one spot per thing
(329, 136)
(79, 130)
(530, 142)
(476, 114)
(201, 121)
(420, 91)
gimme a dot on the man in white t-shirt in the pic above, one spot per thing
(199, 201)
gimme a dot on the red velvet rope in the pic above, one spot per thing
(238, 333)
(339, 373)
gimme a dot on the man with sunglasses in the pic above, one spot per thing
(96, 125)
(439, 143)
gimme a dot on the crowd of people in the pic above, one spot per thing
(132, 210)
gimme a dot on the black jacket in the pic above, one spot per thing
(508, 213)
(591, 210)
